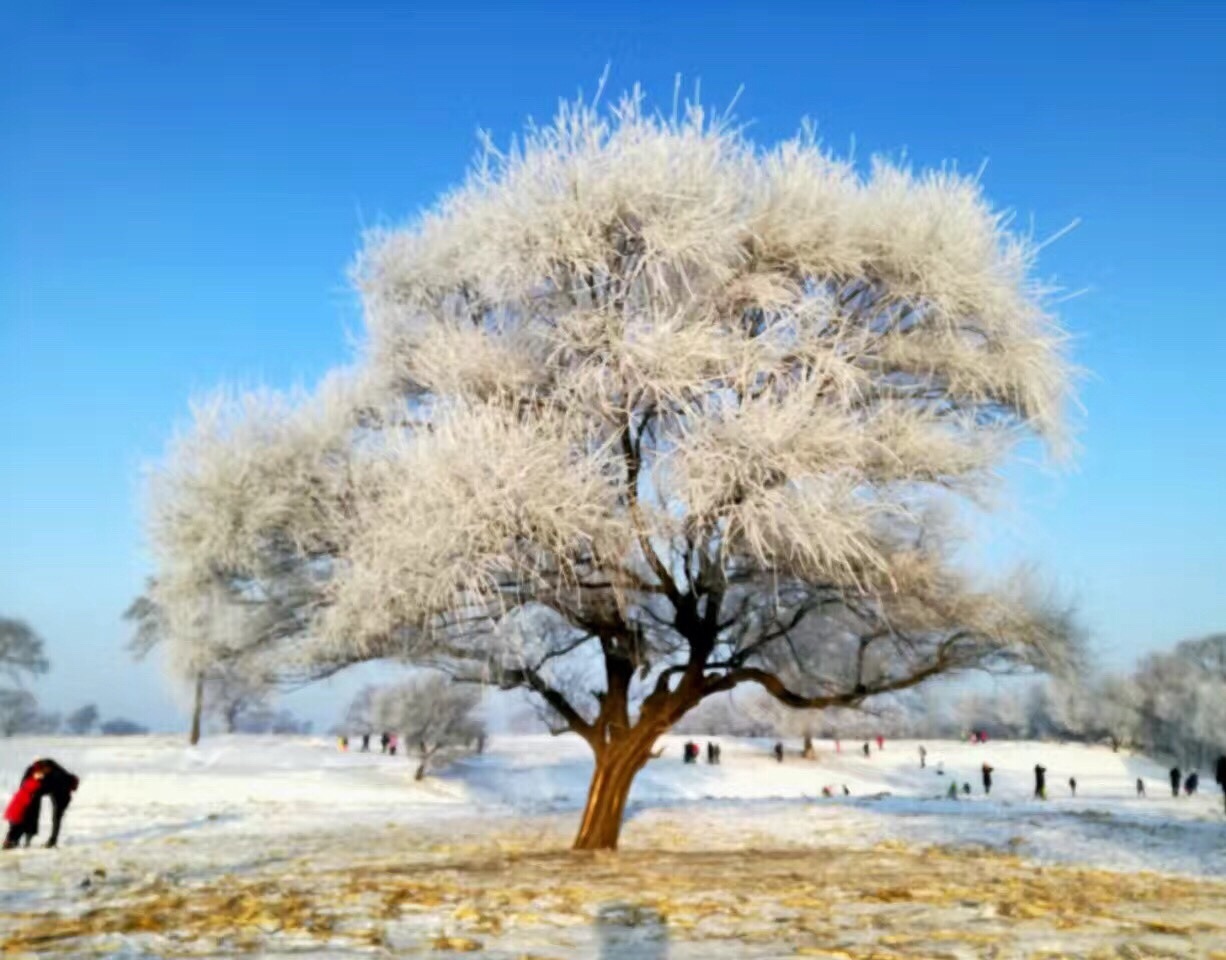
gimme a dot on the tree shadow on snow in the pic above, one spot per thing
(626, 931)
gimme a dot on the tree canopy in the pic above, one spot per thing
(644, 412)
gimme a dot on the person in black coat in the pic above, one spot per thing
(1040, 782)
(59, 785)
(1175, 778)
(1221, 775)
(1190, 784)
(987, 780)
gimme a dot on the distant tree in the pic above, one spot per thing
(17, 709)
(1181, 699)
(21, 657)
(21, 650)
(233, 690)
(149, 631)
(433, 717)
(695, 400)
(82, 720)
(216, 646)
(264, 719)
(730, 715)
(121, 727)
(359, 715)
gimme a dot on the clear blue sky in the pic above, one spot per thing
(182, 187)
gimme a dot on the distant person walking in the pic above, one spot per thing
(384, 740)
(1140, 787)
(779, 752)
(866, 748)
(952, 792)
(391, 744)
(987, 780)
(1072, 785)
(923, 757)
(366, 743)
(880, 742)
(1221, 776)
(1040, 782)
(1190, 785)
(1175, 778)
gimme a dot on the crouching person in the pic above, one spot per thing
(42, 778)
(59, 785)
(22, 811)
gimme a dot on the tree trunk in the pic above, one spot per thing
(616, 766)
(420, 774)
(810, 752)
(197, 710)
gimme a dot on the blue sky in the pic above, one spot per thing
(183, 186)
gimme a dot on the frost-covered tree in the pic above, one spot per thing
(431, 715)
(235, 688)
(646, 412)
(264, 719)
(1181, 699)
(82, 720)
(218, 642)
(359, 716)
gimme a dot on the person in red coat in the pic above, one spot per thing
(22, 811)
(59, 785)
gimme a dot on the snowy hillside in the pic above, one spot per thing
(149, 787)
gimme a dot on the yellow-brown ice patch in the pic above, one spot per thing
(496, 895)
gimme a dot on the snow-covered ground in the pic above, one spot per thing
(152, 807)
(141, 787)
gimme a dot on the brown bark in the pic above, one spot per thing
(606, 805)
(617, 764)
(197, 710)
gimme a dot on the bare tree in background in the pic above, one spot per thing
(21, 650)
(22, 657)
(646, 413)
(432, 716)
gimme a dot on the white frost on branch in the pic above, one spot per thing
(695, 397)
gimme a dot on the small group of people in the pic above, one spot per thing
(388, 743)
(42, 778)
(1192, 781)
(978, 736)
(691, 752)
